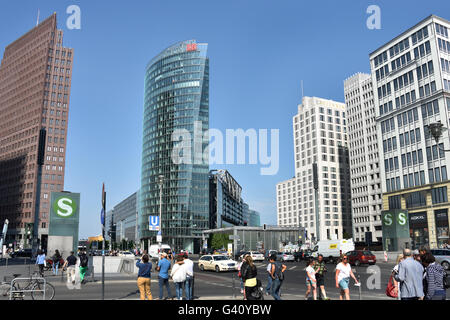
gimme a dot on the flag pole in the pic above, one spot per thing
(103, 218)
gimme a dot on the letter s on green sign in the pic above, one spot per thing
(401, 218)
(64, 207)
(388, 219)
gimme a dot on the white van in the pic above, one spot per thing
(330, 249)
(153, 251)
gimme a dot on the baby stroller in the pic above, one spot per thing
(257, 292)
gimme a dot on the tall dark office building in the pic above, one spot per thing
(176, 98)
(35, 81)
(225, 201)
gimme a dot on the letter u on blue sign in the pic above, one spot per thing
(154, 221)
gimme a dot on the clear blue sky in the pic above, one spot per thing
(259, 53)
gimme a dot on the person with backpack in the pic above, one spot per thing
(277, 274)
(56, 258)
(435, 275)
(84, 261)
(249, 273)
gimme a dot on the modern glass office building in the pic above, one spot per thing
(176, 98)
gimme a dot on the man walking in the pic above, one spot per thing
(277, 274)
(70, 264)
(84, 260)
(163, 277)
(189, 284)
(269, 279)
(410, 276)
(320, 269)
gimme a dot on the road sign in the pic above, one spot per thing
(158, 238)
(153, 223)
(232, 237)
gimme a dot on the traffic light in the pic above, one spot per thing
(29, 230)
(113, 233)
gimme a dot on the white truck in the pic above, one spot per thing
(154, 251)
(330, 249)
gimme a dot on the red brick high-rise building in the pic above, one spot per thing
(35, 81)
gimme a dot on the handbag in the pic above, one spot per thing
(391, 290)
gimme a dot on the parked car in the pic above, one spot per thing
(256, 256)
(24, 253)
(358, 257)
(443, 257)
(216, 263)
(269, 253)
(285, 257)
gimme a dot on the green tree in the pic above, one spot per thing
(220, 240)
(347, 235)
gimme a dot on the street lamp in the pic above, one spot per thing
(161, 179)
(436, 130)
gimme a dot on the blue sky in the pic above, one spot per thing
(259, 52)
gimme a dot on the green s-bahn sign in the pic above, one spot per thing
(395, 224)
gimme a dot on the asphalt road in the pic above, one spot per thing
(210, 285)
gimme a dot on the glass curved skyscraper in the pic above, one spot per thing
(176, 98)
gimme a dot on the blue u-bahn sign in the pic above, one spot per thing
(153, 223)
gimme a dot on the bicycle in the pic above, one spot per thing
(34, 285)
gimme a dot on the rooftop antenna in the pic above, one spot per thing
(302, 91)
(38, 16)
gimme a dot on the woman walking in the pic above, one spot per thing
(239, 268)
(400, 258)
(434, 278)
(56, 258)
(311, 282)
(40, 261)
(343, 274)
(144, 274)
(179, 274)
(249, 272)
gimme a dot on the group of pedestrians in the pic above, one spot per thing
(315, 278)
(182, 274)
(417, 276)
(69, 264)
(251, 287)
